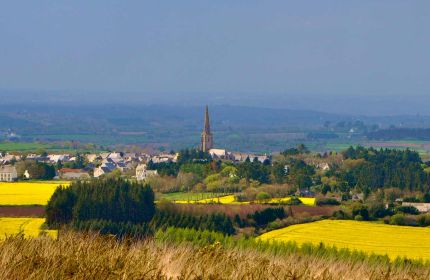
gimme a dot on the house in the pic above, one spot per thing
(164, 158)
(357, 197)
(305, 193)
(241, 157)
(8, 158)
(142, 172)
(109, 164)
(92, 157)
(8, 173)
(71, 174)
(324, 166)
(104, 155)
(58, 158)
(218, 153)
(99, 171)
(115, 157)
(421, 206)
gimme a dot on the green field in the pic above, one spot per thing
(381, 239)
(21, 146)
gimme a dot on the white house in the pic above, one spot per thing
(421, 206)
(142, 172)
(218, 153)
(8, 173)
(58, 158)
(99, 171)
(71, 173)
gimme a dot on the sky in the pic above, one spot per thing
(276, 53)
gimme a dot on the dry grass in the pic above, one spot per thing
(75, 256)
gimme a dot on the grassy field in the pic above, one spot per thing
(30, 227)
(22, 146)
(27, 193)
(394, 241)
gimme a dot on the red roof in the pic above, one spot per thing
(67, 170)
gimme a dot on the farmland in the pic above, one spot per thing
(188, 196)
(28, 193)
(204, 198)
(394, 241)
(30, 227)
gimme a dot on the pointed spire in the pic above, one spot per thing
(207, 138)
(207, 123)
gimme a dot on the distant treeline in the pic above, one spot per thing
(371, 169)
(400, 133)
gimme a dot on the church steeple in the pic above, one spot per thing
(207, 123)
(207, 138)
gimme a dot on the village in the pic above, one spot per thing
(92, 165)
(133, 165)
(295, 171)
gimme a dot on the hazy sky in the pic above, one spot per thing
(305, 48)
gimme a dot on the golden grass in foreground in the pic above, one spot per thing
(27, 193)
(75, 256)
(29, 227)
(394, 241)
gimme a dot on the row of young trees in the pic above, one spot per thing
(212, 222)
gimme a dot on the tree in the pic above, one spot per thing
(37, 170)
(263, 196)
(111, 199)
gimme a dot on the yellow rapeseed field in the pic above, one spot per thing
(27, 193)
(30, 227)
(381, 239)
(228, 199)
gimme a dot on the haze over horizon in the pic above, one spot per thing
(341, 57)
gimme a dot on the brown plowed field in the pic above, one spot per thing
(22, 211)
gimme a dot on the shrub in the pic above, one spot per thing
(358, 218)
(267, 215)
(327, 201)
(294, 201)
(262, 196)
(407, 210)
(398, 219)
(361, 210)
(341, 215)
(379, 211)
(424, 220)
